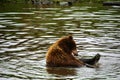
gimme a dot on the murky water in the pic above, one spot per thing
(27, 31)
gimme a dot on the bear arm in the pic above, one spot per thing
(76, 63)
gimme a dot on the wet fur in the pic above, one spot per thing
(60, 54)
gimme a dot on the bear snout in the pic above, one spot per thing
(75, 52)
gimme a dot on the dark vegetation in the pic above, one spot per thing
(31, 1)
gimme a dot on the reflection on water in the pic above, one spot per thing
(62, 71)
(26, 32)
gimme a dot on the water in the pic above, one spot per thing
(27, 31)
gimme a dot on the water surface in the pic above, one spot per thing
(26, 32)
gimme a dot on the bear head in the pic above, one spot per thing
(68, 45)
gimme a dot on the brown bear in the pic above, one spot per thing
(61, 53)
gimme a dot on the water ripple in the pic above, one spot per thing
(25, 36)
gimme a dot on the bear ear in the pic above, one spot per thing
(70, 37)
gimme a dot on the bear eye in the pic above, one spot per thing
(72, 45)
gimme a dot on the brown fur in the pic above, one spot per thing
(60, 54)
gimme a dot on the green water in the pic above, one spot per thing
(26, 32)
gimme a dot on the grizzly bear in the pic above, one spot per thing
(61, 54)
